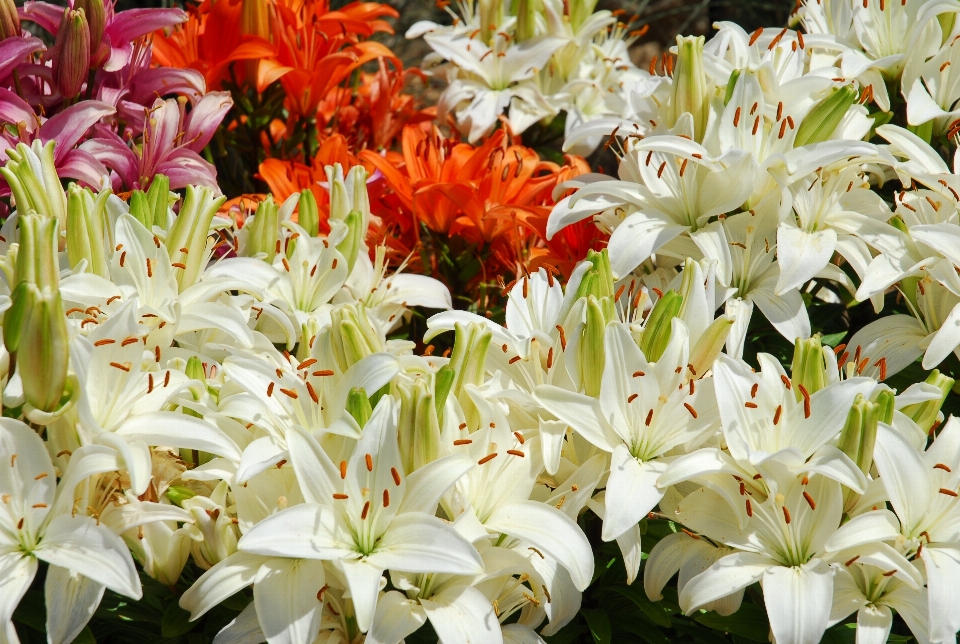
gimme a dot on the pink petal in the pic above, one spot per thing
(14, 50)
(185, 168)
(129, 25)
(166, 81)
(70, 125)
(82, 166)
(14, 109)
(110, 150)
(44, 14)
(204, 118)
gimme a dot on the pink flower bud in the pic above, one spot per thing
(71, 57)
(96, 15)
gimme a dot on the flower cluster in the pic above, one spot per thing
(546, 58)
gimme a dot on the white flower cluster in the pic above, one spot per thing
(550, 56)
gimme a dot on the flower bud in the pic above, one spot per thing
(859, 434)
(591, 347)
(580, 11)
(418, 427)
(214, 535)
(150, 208)
(657, 330)
(178, 494)
(690, 92)
(442, 386)
(925, 414)
(9, 19)
(86, 222)
(731, 85)
(823, 119)
(96, 14)
(526, 20)
(37, 254)
(350, 246)
(352, 335)
(598, 280)
(43, 354)
(263, 230)
(309, 215)
(41, 193)
(358, 405)
(809, 367)
(468, 362)
(191, 231)
(71, 57)
(491, 18)
(710, 344)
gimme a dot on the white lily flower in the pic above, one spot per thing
(37, 523)
(366, 515)
(922, 488)
(643, 412)
(866, 590)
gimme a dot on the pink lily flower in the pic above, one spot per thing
(66, 128)
(172, 141)
(121, 30)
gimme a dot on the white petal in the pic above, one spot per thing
(285, 596)
(243, 629)
(16, 573)
(637, 238)
(581, 412)
(550, 530)
(180, 430)
(396, 617)
(943, 588)
(801, 255)
(632, 492)
(427, 484)
(80, 544)
(663, 563)
(897, 338)
(728, 575)
(878, 525)
(226, 578)
(71, 599)
(418, 542)
(305, 531)
(463, 615)
(873, 624)
(363, 580)
(944, 341)
(903, 474)
(799, 600)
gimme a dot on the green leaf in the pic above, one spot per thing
(649, 633)
(750, 622)
(565, 635)
(654, 612)
(176, 621)
(832, 339)
(599, 623)
(31, 611)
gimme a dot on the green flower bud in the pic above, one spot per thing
(23, 299)
(37, 255)
(352, 335)
(41, 193)
(859, 434)
(418, 425)
(309, 215)
(925, 414)
(44, 352)
(86, 223)
(597, 281)
(358, 405)
(690, 91)
(191, 231)
(823, 119)
(263, 230)
(9, 19)
(809, 367)
(468, 363)
(580, 11)
(526, 20)
(150, 207)
(350, 246)
(178, 494)
(442, 386)
(71, 52)
(591, 347)
(657, 330)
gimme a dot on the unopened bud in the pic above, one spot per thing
(809, 366)
(150, 208)
(657, 330)
(823, 119)
(32, 175)
(859, 434)
(591, 347)
(9, 19)
(86, 223)
(352, 335)
(690, 92)
(710, 344)
(350, 246)
(580, 11)
(263, 230)
(468, 362)
(598, 280)
(178, 494)
(96, 14)
(926, 413)
(43, 354)
(442, 386)
(309, 215)
(71, 57)
(358, 405)
(526, 20)
(418, 426)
